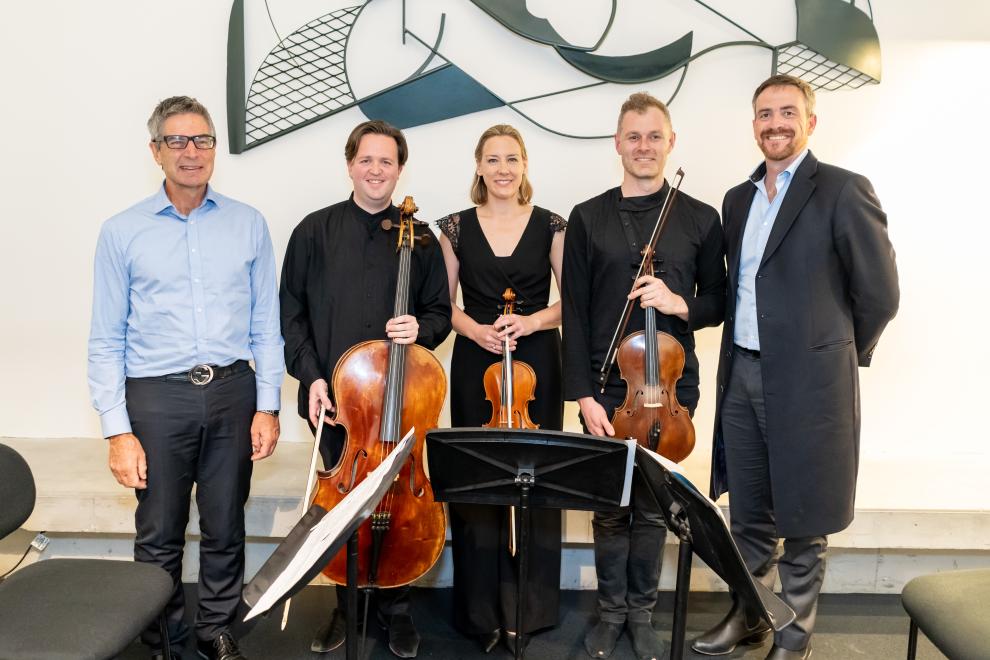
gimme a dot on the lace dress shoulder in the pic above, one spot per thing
(557, 223)
(450, 225)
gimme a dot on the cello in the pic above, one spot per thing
(383, 389)
(651, 413)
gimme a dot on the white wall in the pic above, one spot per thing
(81, 78)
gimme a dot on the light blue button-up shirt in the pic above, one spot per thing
(762, 214)
(171, 292)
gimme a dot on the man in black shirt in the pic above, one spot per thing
(601, 254)
(338, 288)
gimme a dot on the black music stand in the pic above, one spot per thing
(699, 525)
(299, 540)
(529, 468)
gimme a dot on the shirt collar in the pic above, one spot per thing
(760, 173)
(372, 221)
(160, 204)
(643, 202)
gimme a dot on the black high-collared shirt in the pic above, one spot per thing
(338, 288)
(600, 261)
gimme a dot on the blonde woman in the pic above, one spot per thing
(503, 241)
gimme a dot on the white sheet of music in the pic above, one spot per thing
(630, 462)
(330, 527)
(678, 471)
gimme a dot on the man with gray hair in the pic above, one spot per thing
(184, 295)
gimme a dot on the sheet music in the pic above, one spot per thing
(679, 474)
(627, 482)
(329, 528)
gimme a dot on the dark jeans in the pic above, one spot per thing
(202, 435)
(802, 565)
(388, 601)
(628, 551)
(628, 557)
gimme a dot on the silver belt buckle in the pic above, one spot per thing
(201, 374)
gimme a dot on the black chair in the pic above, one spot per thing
(953, 610)
(65, 609)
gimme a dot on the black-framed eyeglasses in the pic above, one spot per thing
(180, 141)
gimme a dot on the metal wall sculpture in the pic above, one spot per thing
(305, 77)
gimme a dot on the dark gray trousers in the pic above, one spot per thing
(802, 565)
(628, 556)
(202, 435)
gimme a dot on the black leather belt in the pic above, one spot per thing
(748, 351)
(203, 374)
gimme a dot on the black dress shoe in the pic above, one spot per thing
(221, 647)
(646, 642)
(732, 631)
(403, 640)
(331, 634)
(778, 653)
(489, 641)
(600, 640)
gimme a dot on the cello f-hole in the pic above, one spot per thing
(362, 454)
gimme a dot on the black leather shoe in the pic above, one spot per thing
(403, 640)
(489, 641)
(331, 634)
(778, 653)
(222, 647)
(731, 632)
(646, 642)
(600, 640)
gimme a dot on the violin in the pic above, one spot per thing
(651, 362)
(383, 389)
(510, 385)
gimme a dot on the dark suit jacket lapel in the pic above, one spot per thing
(738, 213)
(797, 196)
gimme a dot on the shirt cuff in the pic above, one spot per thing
(115, 421)
(268, 398)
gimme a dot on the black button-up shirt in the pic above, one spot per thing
(338, 289)
(600, 261)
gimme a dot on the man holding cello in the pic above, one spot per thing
(338, 289)
(602, 250)
(812, 284)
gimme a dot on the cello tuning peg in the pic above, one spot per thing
(387, 224)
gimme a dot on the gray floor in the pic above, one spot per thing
(871, 627)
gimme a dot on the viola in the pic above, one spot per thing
(651, 363)
(651, 412)
(383, 389)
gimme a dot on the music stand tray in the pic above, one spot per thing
(701, 528)
(529, 468)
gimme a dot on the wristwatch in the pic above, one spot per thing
(273, 413)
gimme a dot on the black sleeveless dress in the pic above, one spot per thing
(484, 571)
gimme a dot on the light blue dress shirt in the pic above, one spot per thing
(171, 292)
(762, 214)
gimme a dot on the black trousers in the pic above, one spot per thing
(388, 601)
(802, 565)
(628, 552)
(202, 435)
(486, 575)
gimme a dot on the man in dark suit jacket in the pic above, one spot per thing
(811, 285)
